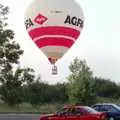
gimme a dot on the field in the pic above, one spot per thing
(27, 108)
(44, 108)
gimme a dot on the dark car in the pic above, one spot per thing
(112, 110)
(75, 113)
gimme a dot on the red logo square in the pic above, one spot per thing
(40, 19)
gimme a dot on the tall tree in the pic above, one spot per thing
(80, 83)
(11, 75)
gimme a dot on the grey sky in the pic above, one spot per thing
(98, 44)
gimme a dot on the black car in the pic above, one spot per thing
(112, 110)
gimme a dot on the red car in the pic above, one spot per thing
(75, 113)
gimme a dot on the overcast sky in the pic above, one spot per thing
(98, 44)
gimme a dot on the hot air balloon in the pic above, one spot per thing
(54, 26)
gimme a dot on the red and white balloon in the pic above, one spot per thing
(54, 26)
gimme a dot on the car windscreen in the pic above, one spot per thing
(90, 110)
(117, 107)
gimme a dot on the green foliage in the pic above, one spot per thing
(11, 96)
(40, 92)
(106, 88)
(4, 10)
(36, 93)
(107, 100)
(80, 85)
(56, 93)
(12, 77)
(11, 89)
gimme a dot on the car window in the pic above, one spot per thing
(108, 108)
(69, 111)
(90, 110)
(103, 108)
(112, 108)
(96, 108)
(117, 107)
(76, 111)
(63, 111)
(73, 111)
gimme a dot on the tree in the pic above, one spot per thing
(106, 88)
(80, 83)
(9, 50)
(12, 76)
(56, 93)
(36, 92)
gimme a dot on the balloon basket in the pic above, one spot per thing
(54, 70)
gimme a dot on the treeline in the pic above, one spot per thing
(19, 85)
(38, 93)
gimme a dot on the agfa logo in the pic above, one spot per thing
(40, 19)
(74, 21)
(28, 23)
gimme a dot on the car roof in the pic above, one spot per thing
(104, 104)
(74, 106)
(100, 104)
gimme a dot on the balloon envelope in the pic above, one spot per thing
(54, 26)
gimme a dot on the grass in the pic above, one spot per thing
(27, 108)
(107, 100)
(44, 108)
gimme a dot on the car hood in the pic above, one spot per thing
(47, 115)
